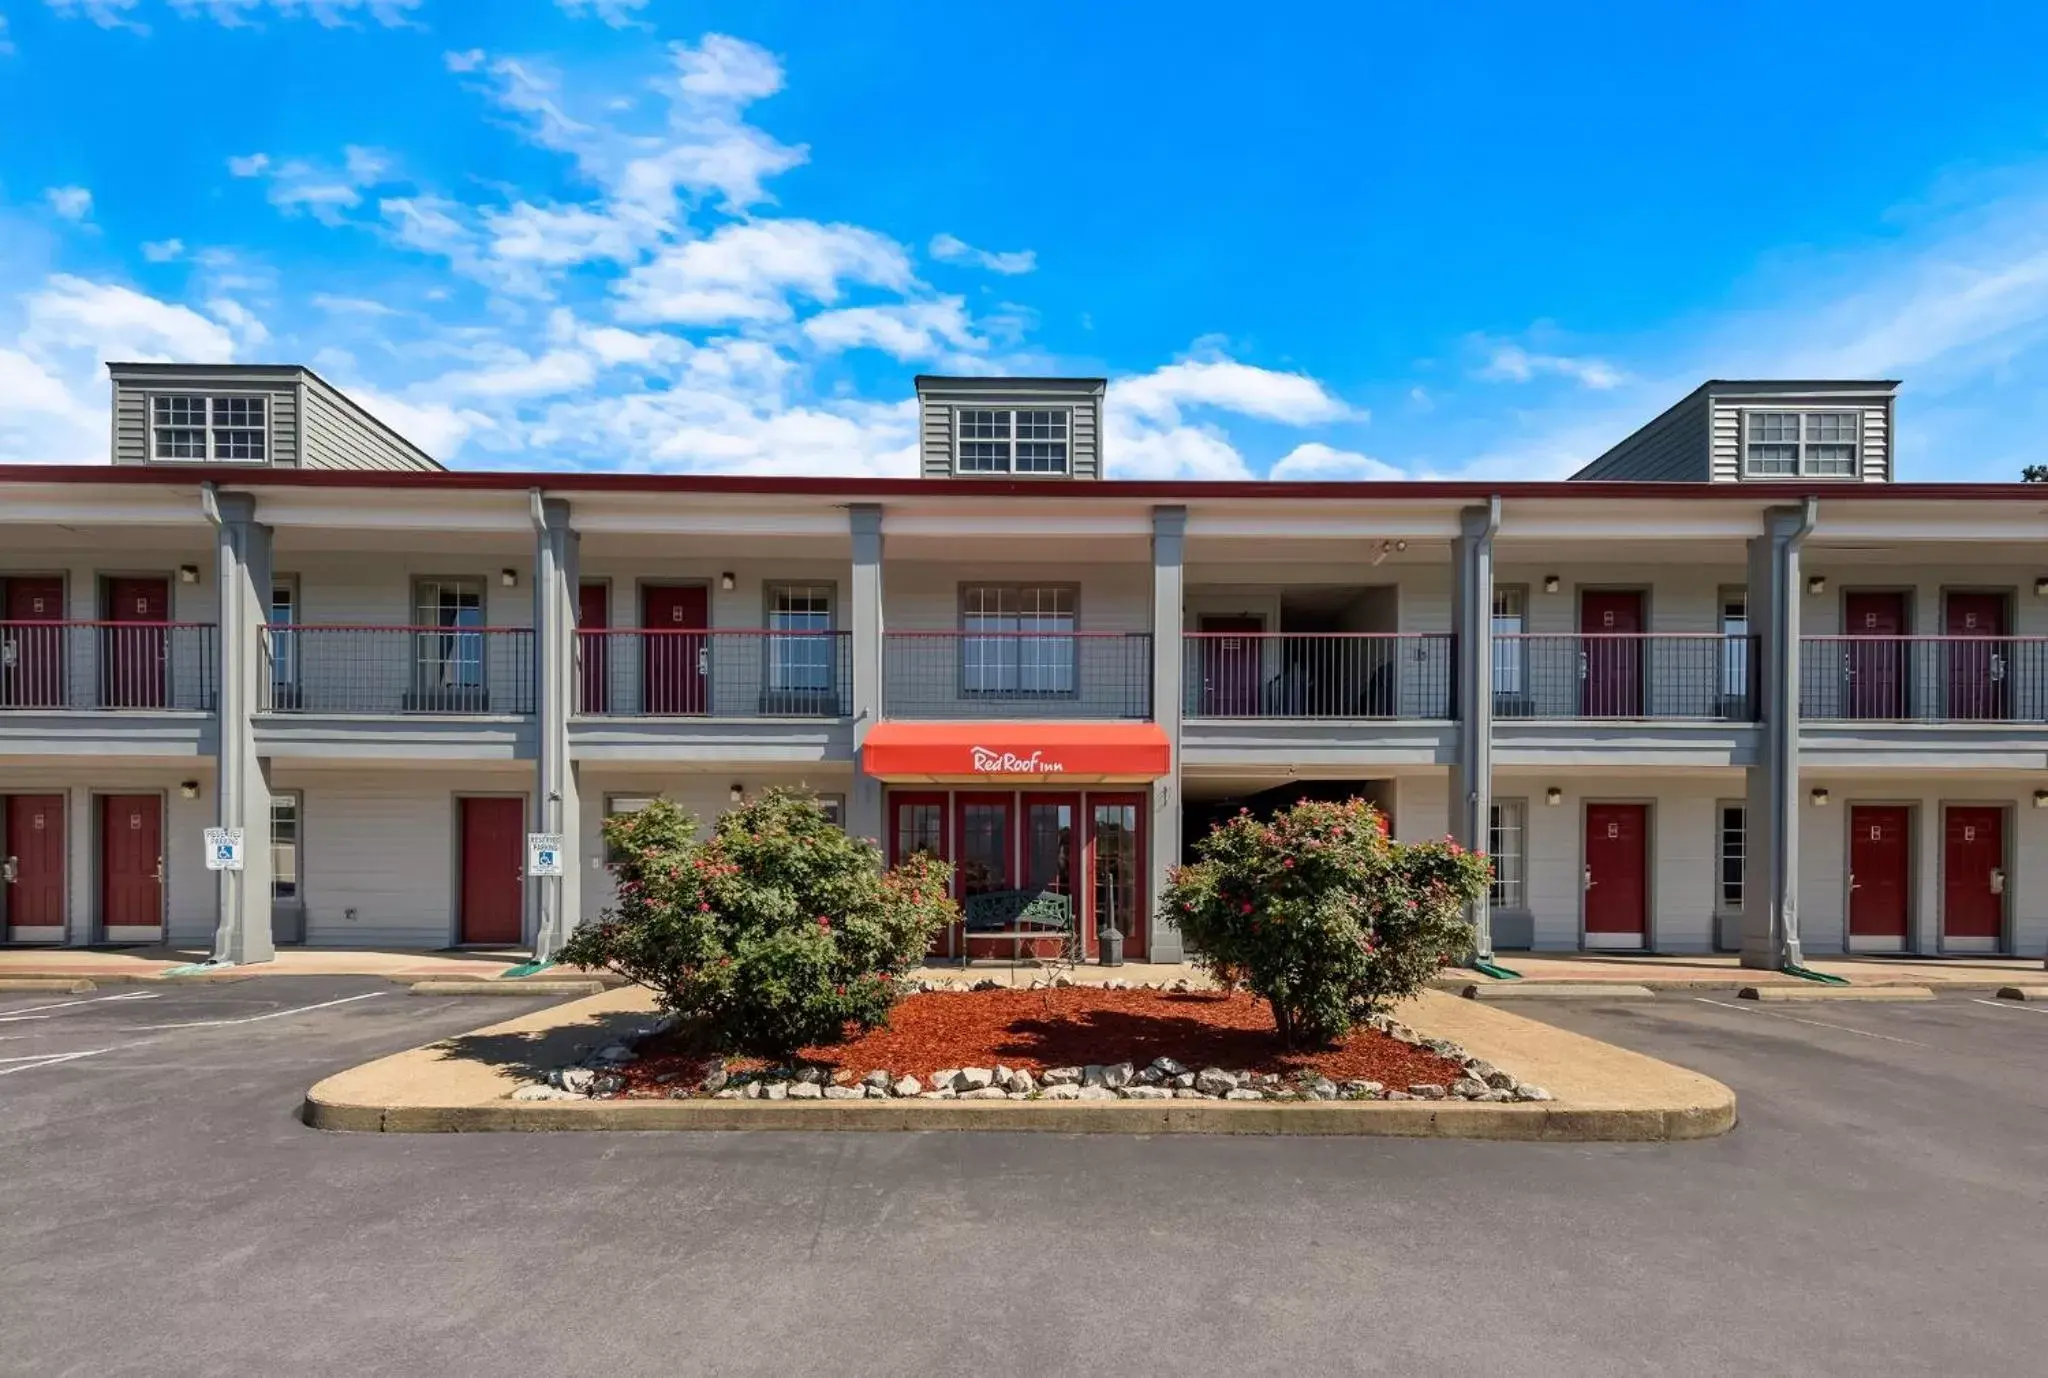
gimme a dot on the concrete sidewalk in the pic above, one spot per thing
(148, 963)
(1724, 969)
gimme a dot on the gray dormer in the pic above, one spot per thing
(269, 415)
(1762, 432)
(1037, 428)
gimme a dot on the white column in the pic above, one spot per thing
(1770, 890)
(1472, 629)
(242, 778)
(864, 800)
(1169, 535)
(556, 805)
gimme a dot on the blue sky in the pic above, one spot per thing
(1347, 242)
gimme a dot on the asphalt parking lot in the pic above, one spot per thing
(163, 1212)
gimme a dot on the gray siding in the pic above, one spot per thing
(341, 435)
(132, 409)
(1727, 430)
(938, 398)
(1671, 448)
(334, 433)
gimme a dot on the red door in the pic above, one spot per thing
(1973, 877)
(1231, 670)
(675, 651)
(1978, 655)
(31, 653)
(1878, 873)
(594, 614)
(1612, 652)
(131, 861)
(1116, 869)
(134, 657)
(1874, 659)
(493, 871)
(1617, 874)
(32, 839)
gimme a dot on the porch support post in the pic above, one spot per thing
(864, 800)
(557, 802)
(1770, 886)
(241, 930)
(1169, 536)
(1472, 657)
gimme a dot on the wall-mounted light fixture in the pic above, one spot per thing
(1385, 548)
(1819, 798)
(188, 574)
(2041, 588)
(737, 793)
(727, 582)
(509, 578)
(188, 789)
(1817, 585)
(1551, 583)
(2041, 798)
(1553, 795)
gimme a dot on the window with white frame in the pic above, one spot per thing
(452, 654)
(620, 806)
(801, 658)
(1510, 619)
(192, 426)
(1793, 444)
(1729, 893)
(284, 847)
(284, 643)
(1020, 638)
(1734, 643)
(834, 806)
(1504, 845)
(998, 441)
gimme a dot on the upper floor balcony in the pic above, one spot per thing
(703, 673)
(1924, 679)
(108, 667)
(1016, 674)
(1647, 676)
(405, 671)
(1316, 676)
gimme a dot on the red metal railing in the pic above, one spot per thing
(1924, 678)
(108, 666)
(1304, 675)
(726, 673)
(398, 670)
(1017, 674)
(1683, 676)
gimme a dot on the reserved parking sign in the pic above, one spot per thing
(224, 849)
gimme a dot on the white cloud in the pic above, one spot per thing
(555, 236)
(332, 14)
(519, 375)
(436, 427)
(248, 165)
(1294, 399)
(351, 306)
(7, 48)
(748, 272)
(909, 330)
(163, 250)
(613, 346)
(73, 203)
(467, 60)
(1514, 364)
(726, 69)
(709, 432)
(620, 14)
(117, 322)
(952, 249)
(250, 333)
(108, 14)
(1317, 461)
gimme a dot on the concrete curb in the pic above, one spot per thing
(2030, 994)
(1401, 1119)
(61, 985)
(1806, 994)
(528, 986)
(1554, 990)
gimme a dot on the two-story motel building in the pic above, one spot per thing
(1729, 688)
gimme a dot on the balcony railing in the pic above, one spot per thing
(401, 671)
(1693, 677)
(1924, 678)
(108, 666)
(1017, 675)
(1316, 675)
(664, 673)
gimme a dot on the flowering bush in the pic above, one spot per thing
(1321, 915)
(776, 931)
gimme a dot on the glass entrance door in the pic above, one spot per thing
(1116, 869)
(1052, 846)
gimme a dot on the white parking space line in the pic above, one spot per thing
(1816, 1023)
(46, 1060)
(2007, 1005)
(254, 1018)
(29, 1011)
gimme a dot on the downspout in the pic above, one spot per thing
(538, 515)
(1482, 962)
(1788, 757)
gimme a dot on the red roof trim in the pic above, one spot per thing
(1103, 490)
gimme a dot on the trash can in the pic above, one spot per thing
(1110, 942)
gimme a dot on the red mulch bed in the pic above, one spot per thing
(1070, 1027)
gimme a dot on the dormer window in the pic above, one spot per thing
(993, 441)
(192, 426)
(1792, 444)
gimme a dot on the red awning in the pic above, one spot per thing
(1016, 752)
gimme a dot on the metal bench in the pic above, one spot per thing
(1021, 916)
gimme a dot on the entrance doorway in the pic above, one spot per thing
(32, 857)
(675, 653)
(131, 867)
(32, 645)
(135, 650)
(1879, 877)
(1978, 655)
(1874, 659)
(594, 679)
(1617, 875)
(493, 866)
(1973, 879)
(1231, 651)
(1611, 624)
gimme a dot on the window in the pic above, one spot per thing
(1504, 844)
(453, 657)
(1735, 644)
(1011, 442)
(834, 806)
(801, 661)
(619, 806)
(1029, 648)
(284, 644)
(184, 426)
(1790, 444)
(284, 847)
(1510, 618)
(1732, 849)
